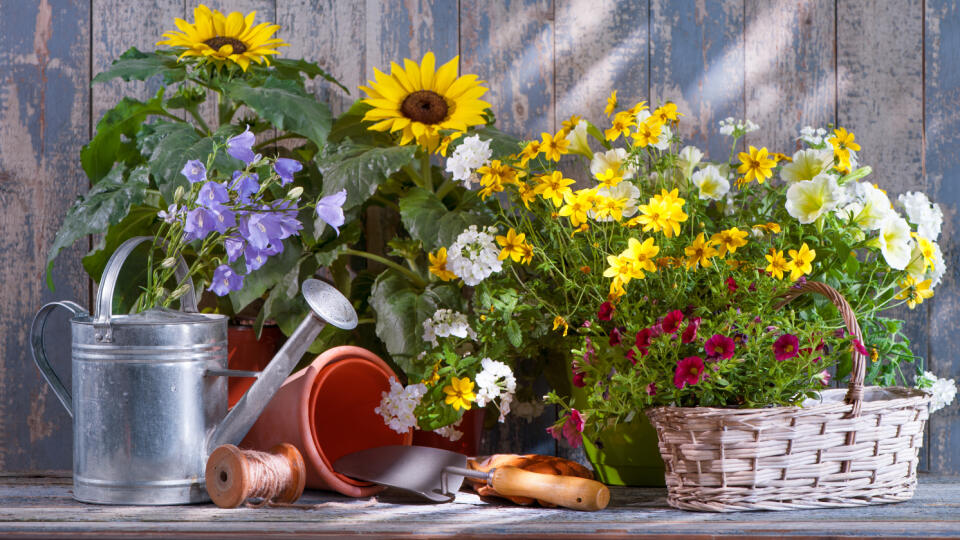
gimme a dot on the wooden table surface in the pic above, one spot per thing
(43, 508)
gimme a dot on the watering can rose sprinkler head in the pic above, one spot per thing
(328, 306)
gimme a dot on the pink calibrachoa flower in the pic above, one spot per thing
(671, 323)
(642, 341)
(786, 347)
(578, 379)
(859, 346)
(616, 337)
(690, 333)
(652, 389)
(823, 377)
(572, 429)
(632, 356)
(606, 311)
(689, 371)
(719, 346)
(731, 284)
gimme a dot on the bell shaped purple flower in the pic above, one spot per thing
(255, 257)
(262, 229)
(234, 248)
(199, 223)
(194, 171)
(241, 146)
(286, 168)
(212, 194)
(223, 218)
(225, 280)
(246, 184)
(330, 209)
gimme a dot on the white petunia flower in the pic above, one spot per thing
(871, 207)
(612, 159)
(926, 216)
(623, 190)
(810, 199)
(690, 157)
(446, 323)
(895, 243)
(495, 380)
(397, 405)
(942, 391)
(711, 183)
(451, 432)
(806, 165)
(472, 154)
(579, 144)
(939, 266)
(473, 255)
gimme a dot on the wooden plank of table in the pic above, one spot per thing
(44, 95)
(942, 136)
(44, 507)
(789, 69)
(697, 61)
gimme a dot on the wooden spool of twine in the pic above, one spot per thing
(235, 476)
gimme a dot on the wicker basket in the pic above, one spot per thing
(852, 447)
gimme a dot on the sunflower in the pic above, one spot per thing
(420, 100)
(220, 37)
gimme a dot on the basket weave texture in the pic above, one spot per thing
(851, 447)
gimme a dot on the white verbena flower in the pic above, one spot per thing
(810, 199)
(446, 323)
(495, 380)
(711, 183)
(942, 391)
(472, 154)
(473, 255)
(690, 157)
(579, 144)
(623, 190)
(806, 165)
(397, 406)
(926, 216)
(813, 137)
(615, 160)
(451, 432)
(894, 242)
(737, 128)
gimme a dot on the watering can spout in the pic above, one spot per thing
(328, 306)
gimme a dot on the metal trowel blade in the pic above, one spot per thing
(417, 469)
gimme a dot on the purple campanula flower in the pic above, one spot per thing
(225, 280)
(224, 218)
(212, 194)
(330, 209)
(245, 184)
(194, 171)
(200, 221)
(286, 168)
(255, 257)
(170, 214)
(241, 146)
(262, 229)
(234, 247)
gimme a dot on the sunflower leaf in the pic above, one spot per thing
(287, 68)
(168, 145)
(135, 65)
(119, 123)
(361, 168)
(286, 106)
(428, 220)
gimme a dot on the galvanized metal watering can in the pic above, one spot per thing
(149, 396)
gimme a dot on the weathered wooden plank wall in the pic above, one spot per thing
(892, 75)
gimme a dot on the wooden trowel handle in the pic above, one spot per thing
(568, 491)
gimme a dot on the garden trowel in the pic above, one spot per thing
(438, 474)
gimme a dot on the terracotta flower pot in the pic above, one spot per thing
(327, 412)
(469, 444)
(245, 352)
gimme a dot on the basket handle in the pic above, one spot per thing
(854, 395)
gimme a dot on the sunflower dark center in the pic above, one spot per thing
(219, 41)
(425, 106)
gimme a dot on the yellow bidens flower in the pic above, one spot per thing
(576, 207)
(445, 143)
(419, 100)
(559, 321)
(609, 178)
(755, 165)
(611, 103)
(221, 38)
(843, 142)
(663, 212)
(554, 146)
(769, 226)
(926, 250)
(459, 393)
(513, 246)
(914, 292)
(527, 194)
(800, 261)
(494, 176)
(632, 262)
(438, 265)
(729, 240)
(609, 208)
(700, 252)
(621, 125)
(570, 123)
(530, 151)
(667, 113)
(648, 132)
(778, 264)
(553, 187)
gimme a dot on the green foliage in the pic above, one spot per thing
(286, 106)
(361, 168)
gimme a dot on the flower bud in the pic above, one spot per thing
(169, 262)
(295, 193)
(178, 194)
(180, 291)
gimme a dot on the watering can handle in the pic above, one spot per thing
(40, 356)
(104, 302)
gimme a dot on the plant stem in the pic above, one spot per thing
(196, 116)
(278, 139)
(425, 171)
(445, 188)
(414, 278)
